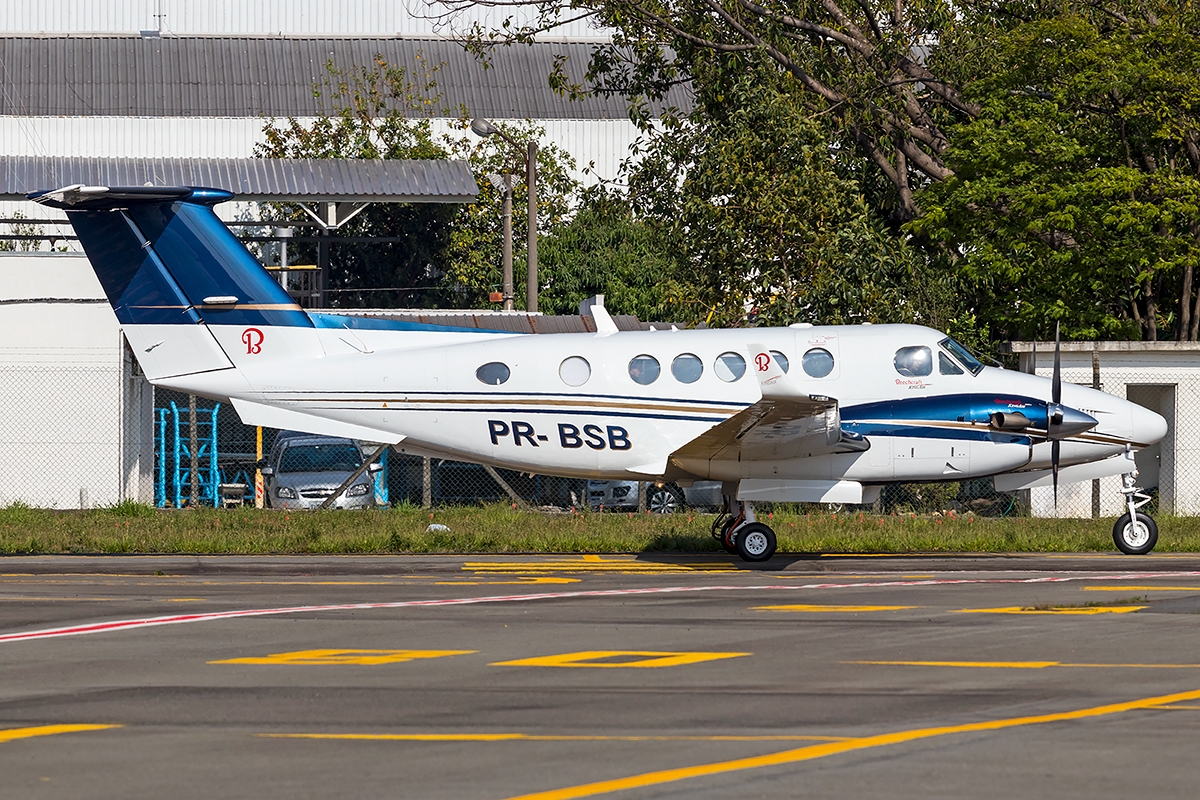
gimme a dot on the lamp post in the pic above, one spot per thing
(482, 127)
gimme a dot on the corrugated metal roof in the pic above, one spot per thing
(349, 180)
(275, 77)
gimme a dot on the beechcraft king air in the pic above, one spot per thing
(798, 414)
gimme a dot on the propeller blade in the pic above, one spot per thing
(1056, 379)
(1054, 452)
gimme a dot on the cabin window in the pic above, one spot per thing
(687, 368)
(729, 367)
(493, 373)
(575, 371)
(963, 355)
(914, 362)
(817, 362)
(946, 365)
(644, 369)
(781, 360)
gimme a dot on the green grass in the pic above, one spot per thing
(134, 528)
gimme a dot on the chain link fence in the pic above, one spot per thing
(76, 436)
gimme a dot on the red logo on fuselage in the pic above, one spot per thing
(763, 361)
(253, 339)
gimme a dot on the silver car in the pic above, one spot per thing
(302, 470)
(665, 499)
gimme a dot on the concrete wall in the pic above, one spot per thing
(1162, 376)
(75, 415)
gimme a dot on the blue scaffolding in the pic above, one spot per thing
(173, 481)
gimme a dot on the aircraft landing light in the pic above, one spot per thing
(1081, 611)
(607, 659)
(343, 657)
(1020, 665)
(11, 734)
(831, 609)
(534, 737)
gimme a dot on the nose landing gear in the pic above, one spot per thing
(742, 535)
(1134, 533)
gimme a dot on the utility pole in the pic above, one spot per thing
(531, 274)
(507, 263)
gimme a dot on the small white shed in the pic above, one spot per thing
(1162, 376)
(76, 416)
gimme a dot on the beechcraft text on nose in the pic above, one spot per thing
(571, 437)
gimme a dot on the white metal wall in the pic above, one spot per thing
(604, 143)
(1165, 382)
(260, 17)
(75, 420)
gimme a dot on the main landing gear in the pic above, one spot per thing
(1135, 533)
(741, 534)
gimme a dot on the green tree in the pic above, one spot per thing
(604, 249)
(766, 224)
(864, 64)
(1076, 194)
(435, 255)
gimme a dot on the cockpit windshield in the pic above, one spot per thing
(963, 355)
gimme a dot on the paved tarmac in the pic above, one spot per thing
(599, 676)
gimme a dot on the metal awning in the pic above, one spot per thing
(299, 180)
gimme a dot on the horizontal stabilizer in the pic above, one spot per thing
(79, 197)
(1014, 481)
(287, 419)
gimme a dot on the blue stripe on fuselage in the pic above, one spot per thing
(976, 408)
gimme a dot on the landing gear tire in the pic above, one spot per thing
(755, 542)
(1135, 538)
(663, 500)
(728, 537)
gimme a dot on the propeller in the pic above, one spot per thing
(1062, 421)
(1055, 412)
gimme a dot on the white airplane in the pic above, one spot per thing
(799, 414)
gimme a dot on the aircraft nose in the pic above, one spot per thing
(1148, 427)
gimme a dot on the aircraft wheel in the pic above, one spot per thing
(663, 500)
(729, 537)
(1135, 538)
(755, 542)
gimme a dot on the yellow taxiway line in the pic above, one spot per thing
(11, 734)
(813, 752)
(1019, 664)
(531, 737)
(811, 608)
(1141, 588)
(1067, 610)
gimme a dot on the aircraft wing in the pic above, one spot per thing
(785, 423)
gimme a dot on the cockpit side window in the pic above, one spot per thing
(914, 362)
(962, 355)
(946, 365)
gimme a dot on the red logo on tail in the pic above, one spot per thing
(253, 339)
(763, 361)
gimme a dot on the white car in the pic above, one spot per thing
(303, 470)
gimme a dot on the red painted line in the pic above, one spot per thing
(147, 622)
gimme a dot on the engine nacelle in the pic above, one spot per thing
(1010, 421)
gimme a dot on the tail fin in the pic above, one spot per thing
(170, 269)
